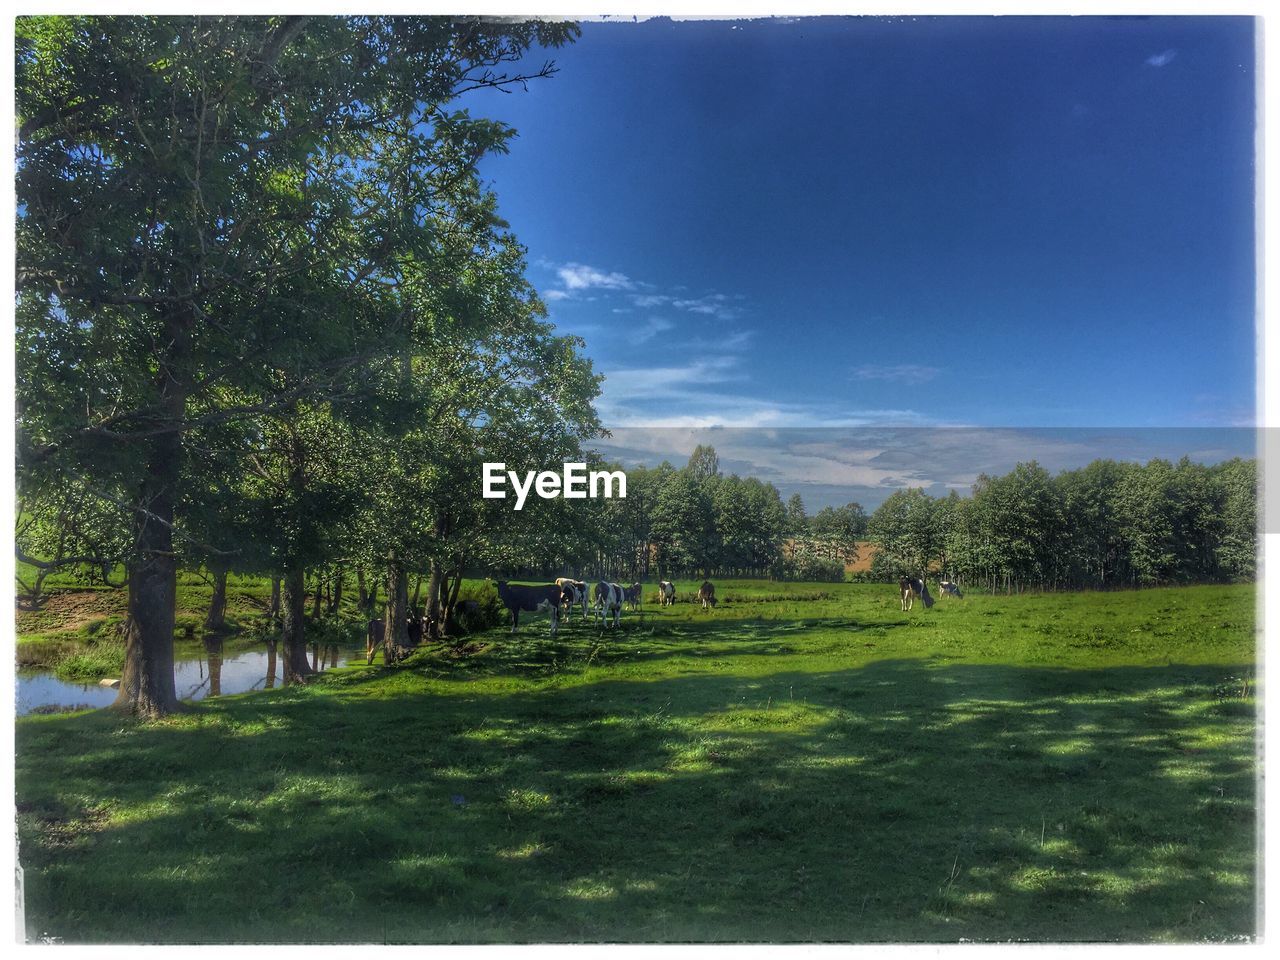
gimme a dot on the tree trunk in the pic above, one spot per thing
(417, 591)
(395, 634)
(295, 645)
(364, 594)
(316, 608)
(433, 601)
(216, 621)
(275, 598)
(146, 684)
(452, 601)
(338, 578)
(271, 664)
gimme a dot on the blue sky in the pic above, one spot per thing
(837, 222)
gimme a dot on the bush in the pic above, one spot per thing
(488, 610)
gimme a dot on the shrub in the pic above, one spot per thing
(488, 611)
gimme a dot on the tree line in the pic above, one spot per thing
(1109, 524)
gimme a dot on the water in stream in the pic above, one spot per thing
(214, 674)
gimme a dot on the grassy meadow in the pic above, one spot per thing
(804, 763)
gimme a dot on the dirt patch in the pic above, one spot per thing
(866, 553)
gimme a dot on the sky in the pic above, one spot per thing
(841, 223)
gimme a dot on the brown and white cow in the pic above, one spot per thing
(531, 597)
(632, 595)
(707, 595)
(573, 593)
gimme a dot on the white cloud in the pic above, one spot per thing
(578, 276)
(712, 305)
(651, 328)
(550, 296)
(910, 373)
(645, 300)
(1161, 59)
(693, 395)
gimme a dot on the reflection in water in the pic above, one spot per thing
(217, 672)
(213, 649)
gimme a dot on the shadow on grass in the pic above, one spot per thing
(896, 801)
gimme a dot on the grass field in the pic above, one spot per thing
(805, 763)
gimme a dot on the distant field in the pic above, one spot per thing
(804, 763)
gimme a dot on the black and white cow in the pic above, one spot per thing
(707, 595)
(667, 591)
(911, 588)
(633, 595)
(609, 599)
(531, 597)
(950, 589)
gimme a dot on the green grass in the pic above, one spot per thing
(816, 767)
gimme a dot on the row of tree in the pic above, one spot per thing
(1109, 524)
(268, 317)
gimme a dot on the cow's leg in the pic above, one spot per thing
(515, 618)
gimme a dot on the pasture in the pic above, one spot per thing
(803, 763)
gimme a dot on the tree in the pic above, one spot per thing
(1238, 545)
(205, 204)
(837, 531)
(903, 528)
(704, 463)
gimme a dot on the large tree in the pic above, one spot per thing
(215, 217)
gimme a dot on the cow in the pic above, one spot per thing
(707, 595)
(572, 593)
(950, 589)
(531, 597)
(373, 634)
(911, 587)
(633, 595)
(609, 597)
(667, 592)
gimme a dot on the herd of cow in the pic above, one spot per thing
(561, 597)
